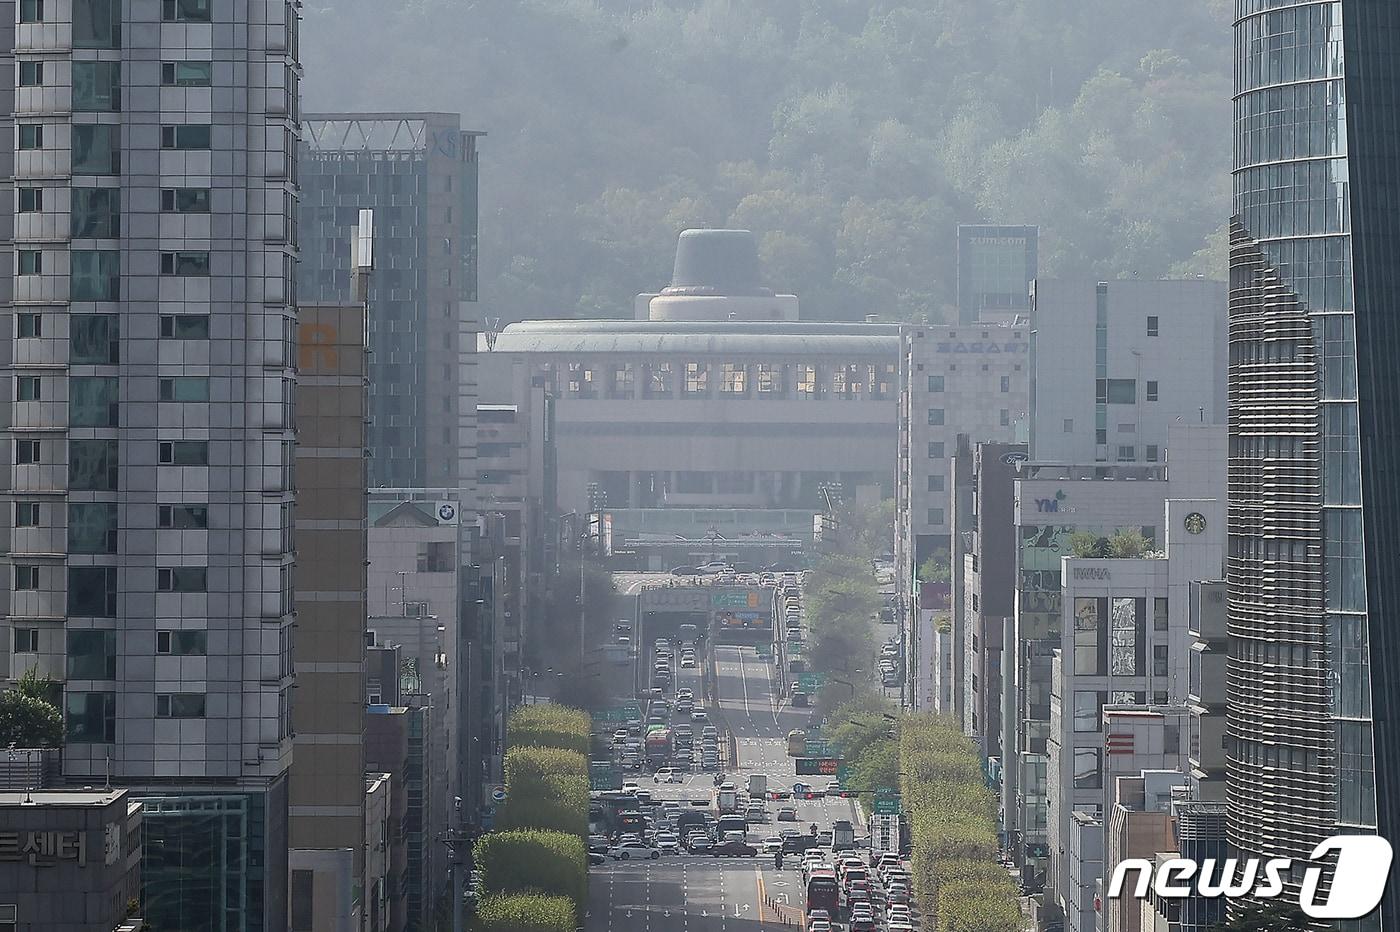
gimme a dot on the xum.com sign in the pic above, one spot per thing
(1358, 881)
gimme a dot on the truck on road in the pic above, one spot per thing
(843, 835)
(726, 799)
(758, 785)
(658, 747)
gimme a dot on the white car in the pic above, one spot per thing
(714, 568)
(819, 925)
(687, 662)
(630, 787)
(635, 851)
(667, 842)
(665, 775)
(772, 844)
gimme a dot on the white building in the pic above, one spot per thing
(149, 423)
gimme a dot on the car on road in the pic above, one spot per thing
(685, 571)
(685, 693)
(819, 925)
(787, 814)
(667, 843)
(772, 844)
(597, 857)
(739, 849)
(699, 842)
(714, 568)
(824, 839)
(699, 715)
(709, 731)
(634, 851)
(862, 924)
(755, 814)
(798, 843)
(897, 894)
(688, 662)
(630, 787)
(833, 786)
(898, 913)
(666, 775)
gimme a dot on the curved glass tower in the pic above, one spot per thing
(1314, 496)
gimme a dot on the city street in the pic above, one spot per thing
(697, 892)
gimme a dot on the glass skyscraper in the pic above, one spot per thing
(1314, 452)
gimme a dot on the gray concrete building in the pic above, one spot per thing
(1115, 363)
(716, 405)
(996, 265)
(70, 860)
(148, 343)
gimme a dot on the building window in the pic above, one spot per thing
(183, 517)
(31, 262)
(182, 579)
(96, 213)
(935, 450)
(30, 326)
(1160, 618)
(1151, 391)
(91, 718)
(92, 465)
(97, 24)
(1151, 453)
(806, 381)
(187, 73)
(1117, 391)
(26, 452)
(28, 388)
(1006, 383)
(92, 527)
(92, 654)
(659, 383)
(95, 275)
(26, 514)
(31, 136)
(179, 705)
(31, 200)
(26, 640)
(935, 417)
(185, 200)
(1087, 775)
(437, 557)
(184, 263)
(1005, 417)
(31, 11)
(1126, 453)
(769, 379)
(733, 379)
(92, 591)
(935, 516)
(935, 483)
(184, 327)
(184, 388)
(622, 381)
(96, 149)
(185, 11)
(26, 577)
(186, 136)
(93, 339)
(184, 453)
(935, 383)
(1069, 425)
(697, 378)
(182, 643)
(1153, 326)
(1088, 711)
(31, 73)
(1160, 657)
(97, 86)
(93, 401)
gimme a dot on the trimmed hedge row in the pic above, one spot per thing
(534, 861)
(952, 817)
(546, 788)
(549, 726)
(524, 912)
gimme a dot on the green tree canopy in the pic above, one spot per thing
(543, 862)
(28, 721)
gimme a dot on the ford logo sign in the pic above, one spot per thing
(1011, 459)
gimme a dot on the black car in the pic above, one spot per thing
(685, 571)
(796, 844)
(736, 849)
(595, 858)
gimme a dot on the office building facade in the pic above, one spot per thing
(418, 172)
(1313, 749)
(149, 348)
(1114, 364)
(996, 265)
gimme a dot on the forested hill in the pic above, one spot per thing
(851, 135)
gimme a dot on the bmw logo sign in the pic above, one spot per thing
(447, 512)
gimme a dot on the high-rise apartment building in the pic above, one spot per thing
(1313, 745)
(418, 172)
(149, 338)
(996, 265)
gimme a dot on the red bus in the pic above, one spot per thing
(823, 892)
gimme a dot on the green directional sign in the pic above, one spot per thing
(764, 651)
(809, 682)
(887, 801)
(843, 776)
(816, 748)
(622, 713)
(602, 775)
(794, 648)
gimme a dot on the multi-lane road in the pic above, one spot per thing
(697, 893)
